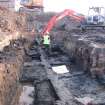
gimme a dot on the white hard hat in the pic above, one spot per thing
(47, 32)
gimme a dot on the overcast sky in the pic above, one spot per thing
(80, 6)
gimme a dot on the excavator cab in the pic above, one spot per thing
(96, 15)
(95, 18)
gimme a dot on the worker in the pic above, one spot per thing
(46, 41)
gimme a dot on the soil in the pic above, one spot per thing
(26, 67)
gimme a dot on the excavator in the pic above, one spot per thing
(96, 19)
(68, 12)
(95, 16)
(31, 4)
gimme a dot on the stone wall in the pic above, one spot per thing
(88, 51)
(11, 60)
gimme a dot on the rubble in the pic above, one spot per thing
(10, 26)
(9, 72)
(83, 53)
(11, 61)
(13, 26)
(85, 48)
(11, 21)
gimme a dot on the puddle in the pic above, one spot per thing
(27, 96)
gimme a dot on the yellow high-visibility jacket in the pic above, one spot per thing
(46, 39)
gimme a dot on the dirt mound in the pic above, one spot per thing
(10, 21)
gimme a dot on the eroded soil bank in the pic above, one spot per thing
(11, 61)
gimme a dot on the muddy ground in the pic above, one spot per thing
(78, 87)
(61, 89)
(28, 67)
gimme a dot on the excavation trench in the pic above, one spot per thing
(51, 88)
(34, 75)
(37, 84)
(11, 63)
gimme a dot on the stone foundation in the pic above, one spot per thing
(88, 52)
(11, 60)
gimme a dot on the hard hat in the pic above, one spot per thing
(47, 32)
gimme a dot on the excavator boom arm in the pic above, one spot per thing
(56, 18)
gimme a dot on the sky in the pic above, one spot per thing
(80, 6)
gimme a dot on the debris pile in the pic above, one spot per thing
(82, 52)
(11, 60)
(10, 21)
(12, 26)
(87, 48)
(87, 51)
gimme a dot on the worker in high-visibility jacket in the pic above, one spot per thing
(46, 41)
